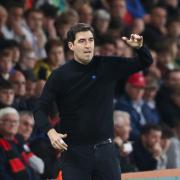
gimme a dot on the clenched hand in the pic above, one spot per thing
(134, 41)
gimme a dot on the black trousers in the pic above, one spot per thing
(90, 162)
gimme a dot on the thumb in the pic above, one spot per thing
(124, 39)
(63, 135)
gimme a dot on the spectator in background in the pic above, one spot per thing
(118, 9)
(30, 88)
(122, 128)
(26, 125)
(173, 153)
(55, 58)
(173, 108)
(64, 21)
(14, 157)
(167, 55)
(138, 26)
(18, 81)
(163, 99)
(153, 70)
(101, 21)
(36, 89)
(133, 103)
(107, 45)
(15, 47)
(6, 94)
(116, 28)
(120, 47)
(14, 29)
(156, 31)
(6, 64)
(85, 12)
(123, 49)
(147, 148)
(3, 20)
(25, 130)
(165, 145)
(34, 20)
(173, 28)
(50, 13)
(150, 93)
(27, 63)
(172, 8)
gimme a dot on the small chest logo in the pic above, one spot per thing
(93, 77)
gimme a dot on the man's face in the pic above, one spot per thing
(26, 126)
(56, 56)
(7, 96)
(158, 17)
(108, 50)
(135, 93)
(152, 138)
(174, 79)
(83, 47)
(35, 20)
(19, 85)
(123, 128)
(6, 63)
(16, 14)
(10, 124)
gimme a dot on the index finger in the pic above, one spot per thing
(62, 143)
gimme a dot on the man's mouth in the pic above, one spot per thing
(87, 52)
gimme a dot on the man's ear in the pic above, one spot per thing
(71, 46)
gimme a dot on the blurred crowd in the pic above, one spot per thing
(146, 104)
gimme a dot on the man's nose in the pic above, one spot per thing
(87, 44)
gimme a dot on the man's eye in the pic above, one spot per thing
(81, 41)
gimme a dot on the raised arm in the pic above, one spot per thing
(116, 67)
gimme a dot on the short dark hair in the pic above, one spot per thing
(166, 132)
(4, 84)
(80, 27)
(146, 129)
(53, 43)
(30, 11)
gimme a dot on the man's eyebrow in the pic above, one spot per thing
(81, 39)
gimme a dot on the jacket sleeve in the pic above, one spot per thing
(45, 103)
(36, 164)
(119, 67)
(4, 174)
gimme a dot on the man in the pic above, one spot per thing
(83, 91)
(16, 161)
(164, 95)
(6, 94)
(133, 103)
(55, 58)
(25, 129)
(147, 148)
(26, 125)
(122, 129)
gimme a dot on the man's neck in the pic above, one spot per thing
(81, 62)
